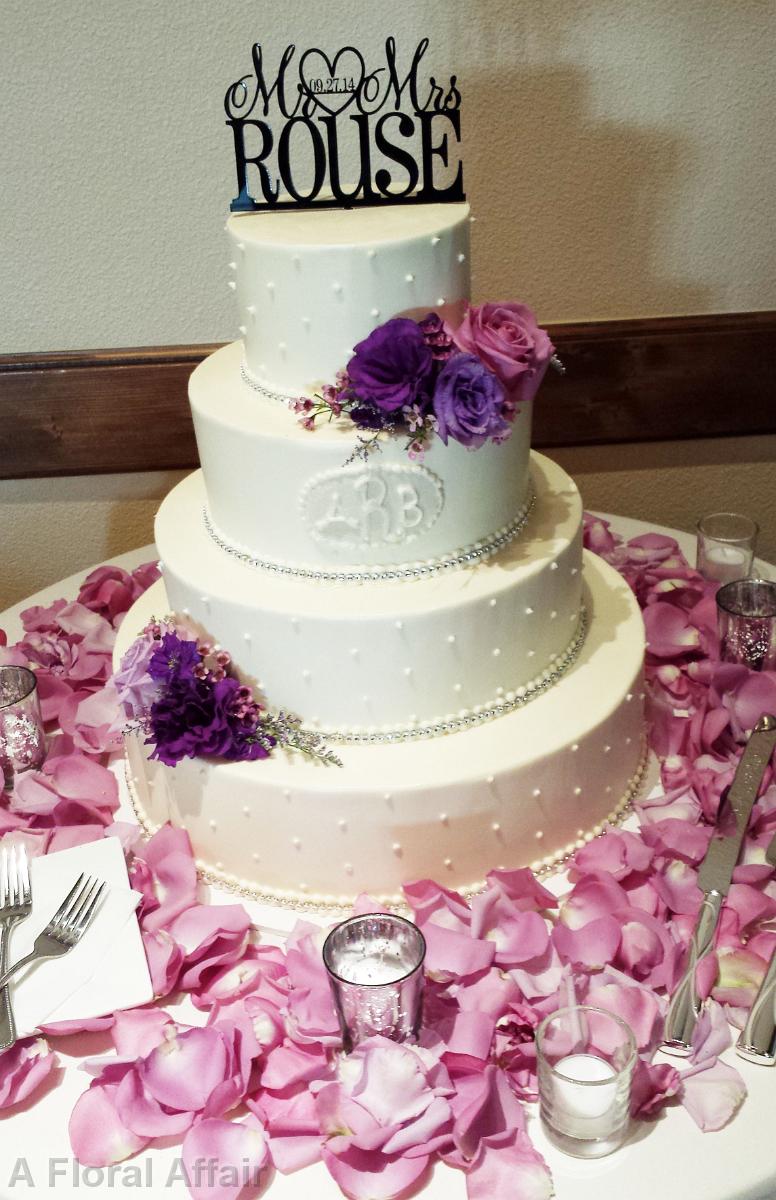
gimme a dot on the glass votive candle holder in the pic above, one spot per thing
(746, 619)
(22, 740)
(375, 967)
(726, 544)
(585, 1059)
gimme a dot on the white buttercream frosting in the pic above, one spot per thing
(311, 283)
(260, 467)
(380, 812)
(414, 641)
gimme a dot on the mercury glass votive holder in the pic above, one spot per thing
(726, 544)
(375, 968)
(22, 740)
(585, 1059)
(746, 619)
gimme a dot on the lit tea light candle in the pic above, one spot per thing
(726, 563)
(375, 968)
(584, 1092)
(22, 740)
(581, 1085)
(376, 963)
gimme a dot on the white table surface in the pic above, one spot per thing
(669, 1159)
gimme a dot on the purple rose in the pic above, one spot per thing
(393, 367)
(508, 340)
(468, 403)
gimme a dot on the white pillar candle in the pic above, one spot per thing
(583, 1090)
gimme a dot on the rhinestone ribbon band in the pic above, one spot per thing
(401, 571)
(264, 392)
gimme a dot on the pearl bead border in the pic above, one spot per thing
(335, 905)
(467, 557)
(467, 720)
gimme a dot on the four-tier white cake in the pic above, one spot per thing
(477, 672)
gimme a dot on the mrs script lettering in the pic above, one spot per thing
(311, 98)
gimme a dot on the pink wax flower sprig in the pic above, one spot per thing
(182, 694)
(423, 379)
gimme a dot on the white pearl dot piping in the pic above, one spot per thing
(290, 899)
(466, 718)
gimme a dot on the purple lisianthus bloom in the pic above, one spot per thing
(437, 337)
(247, 746)
(367, 416)
(174, 658)
(393, 367)
(193, 717)
(468, 403)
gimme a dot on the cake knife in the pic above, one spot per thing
(714, 876)
(757, 1040)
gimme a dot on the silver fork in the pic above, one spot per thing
(66, 927)
(15, 905)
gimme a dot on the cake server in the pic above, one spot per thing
(714, 876)
(757, 1040)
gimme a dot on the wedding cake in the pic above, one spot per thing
(427, 608)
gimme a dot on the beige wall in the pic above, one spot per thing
(619, 159)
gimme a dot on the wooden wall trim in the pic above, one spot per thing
(652, 379)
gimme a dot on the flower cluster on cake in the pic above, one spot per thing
(425, 379)
(181, 691)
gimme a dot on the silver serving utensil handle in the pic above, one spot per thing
(685, 1006)
(757, 1040)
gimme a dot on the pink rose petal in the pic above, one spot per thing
(23, 1068)
(171, 877)
(182, 1072)
(223, 1157)
(506, 1166)
(97, 1135)
(451, 955)
(712, 1094)
(592, 946)
(365, 1176)
(653, 1086)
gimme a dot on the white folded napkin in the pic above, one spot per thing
(107, 970)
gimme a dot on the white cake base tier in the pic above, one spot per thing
(311, 283)
(281, 492)
(389, 658)
(525, 789)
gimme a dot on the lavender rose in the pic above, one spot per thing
(507, 339)
(136, 689)
(392, 367)
(468, 403)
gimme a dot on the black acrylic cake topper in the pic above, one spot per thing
(391, 113)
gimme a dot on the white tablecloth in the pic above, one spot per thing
(669, 1159)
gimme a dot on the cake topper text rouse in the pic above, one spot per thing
(318, 131)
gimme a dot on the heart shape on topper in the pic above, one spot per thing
(332, 102)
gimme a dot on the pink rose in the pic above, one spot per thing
(507, 339)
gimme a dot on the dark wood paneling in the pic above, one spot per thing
(666, 378)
